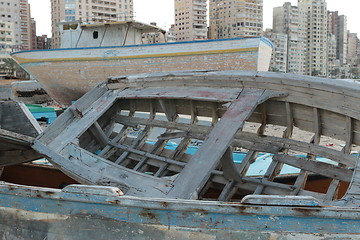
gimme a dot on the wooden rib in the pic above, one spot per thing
(142, 136)
(303, 175)
(169, 108)
(181, 148)
(99, 134)
(324, 169)
(142, 153)
(268, 176)
(228, 191)
(289, 121)
(188, 184)
(121, 136)
(215, 115)
(333, 189)
(246, 162)
(275, 167)
(248, 140)
(252, 155)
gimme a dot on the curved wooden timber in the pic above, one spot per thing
(228, 112)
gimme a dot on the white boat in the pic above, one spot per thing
(68, 73)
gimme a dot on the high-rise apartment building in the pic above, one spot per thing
(279, 54)
(316, 24)
(88, 11)
(352, 51)
(190, 20)
(341, 38)
(17, 12)
(289, 20)
(33, 34)
(235, 18)
(337, 25)
(332, 62)
(43, 42)
(7, 39)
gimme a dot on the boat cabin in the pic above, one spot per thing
(77, 34)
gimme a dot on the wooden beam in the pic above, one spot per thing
(169, 108)
(197, 172)
(99, 134)
(333, 189)
(142, 136)
(120, 137)
(321, 168)
(248, 140)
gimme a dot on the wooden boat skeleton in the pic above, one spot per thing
(91, 143)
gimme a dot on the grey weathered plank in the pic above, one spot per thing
(333, 189)
(249, 140)
(188, 184)
(324, 169)
(142, 137)
(169, 108)
(302, 177)
(191, 93)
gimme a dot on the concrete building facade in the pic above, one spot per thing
(337, 25)
(342, 39)
(190, 20)
(235, 18)
(17, 12)
(88, 11)
(43, 42)
(316, 23)
(7, 39)
(279, 54)
(352, 51)
(332, 62)
(289, 20)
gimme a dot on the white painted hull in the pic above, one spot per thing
(66, 74)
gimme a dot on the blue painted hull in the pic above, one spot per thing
(58, 214)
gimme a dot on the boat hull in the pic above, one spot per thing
(44, 213)
(67, 74)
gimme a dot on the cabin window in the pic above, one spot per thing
(95, 34)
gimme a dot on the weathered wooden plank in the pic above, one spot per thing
(169, 108)
(142, 153)
(193, 93)
(174, 135)
(203, 162)
(228, 191)
(303, 175)
(142, 137)
(188, 185)
(99, 134)
(249, 140)
(14, 137)
(228, 166)
(324, 169)
(276, 200)
(269, 176)
(121, 136)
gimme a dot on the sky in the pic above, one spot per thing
(162, 12)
